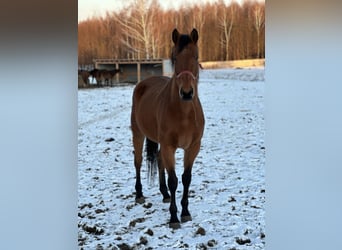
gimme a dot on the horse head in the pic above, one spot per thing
(184, 58)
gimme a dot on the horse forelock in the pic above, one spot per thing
(183, 41)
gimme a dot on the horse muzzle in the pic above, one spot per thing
(186, 95)
(187, 79)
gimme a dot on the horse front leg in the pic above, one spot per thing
(189, 157)
(168, 160)
(173, 183)
(186, 180)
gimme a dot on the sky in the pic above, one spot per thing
(92, 8)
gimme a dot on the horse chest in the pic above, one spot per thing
(186, 134)
(184, 141)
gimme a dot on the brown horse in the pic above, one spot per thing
(95, 74)
(167, 111)
(84, 75)
(103, 76)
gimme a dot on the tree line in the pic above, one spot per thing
(143, 31)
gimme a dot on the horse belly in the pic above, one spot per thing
(146, 118)
(147, 103)
(148, 126)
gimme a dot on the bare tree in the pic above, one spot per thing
(258, 16)
(138, 27)
(226, 23)
(198, 22)
(142, 30)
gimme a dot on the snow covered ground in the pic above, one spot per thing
(227, 193)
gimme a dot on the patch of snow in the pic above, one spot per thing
(227, 193)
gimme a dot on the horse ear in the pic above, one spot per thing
(175, 35)
(194, 36)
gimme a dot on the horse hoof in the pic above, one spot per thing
(174, 225)
(186, 218)
(140, 200)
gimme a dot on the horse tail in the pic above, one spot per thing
(152, 160)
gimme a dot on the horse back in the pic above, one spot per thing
(147, 91)
(151, 85)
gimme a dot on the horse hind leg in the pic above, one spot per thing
(138, 142)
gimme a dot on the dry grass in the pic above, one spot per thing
(250, 63)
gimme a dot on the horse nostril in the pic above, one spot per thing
(186, 96)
